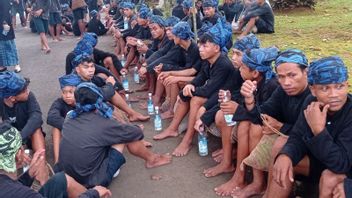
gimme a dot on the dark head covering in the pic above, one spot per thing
(327, 70)
(221, 33)
(103, 108)
(158, 20)
(128, 5)
(292, 56)
(80, 58)
(210, 3)
(247, 43)
(171, 21)
(93, 13)
(90, 38)
(10, 141)
(144, 13)
(83, 47)
(11, 84)
(69, 80)
(187, 4)
(261, 60)
(179, 2)
(182, 30)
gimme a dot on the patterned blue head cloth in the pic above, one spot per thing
(247, 43)
(179, 1)
(90, 38)
(83, 47)
(327, 70)
(187, 4)
(210, 3)
(182, 30)
(80, 58)
(104, 109)
(171, 21)
(144, 13)
(11, 84)
(205, 28)
(127, 5)
(221, 33)
(261, 60)
(292, 56)
(143, 5)
(69, 80)
(158, 20)
(93, 13)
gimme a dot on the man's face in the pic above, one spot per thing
(186, 11)
(247, 73)
(127, 12)
(68, 95)
(177, 40)
(169, 34)
(156, 31)
(23, 95)
(236, 58)
(335, 95)
(209, 11)
(292, 78)
(208, 50)
(86, 70)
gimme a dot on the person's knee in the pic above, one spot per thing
(328, 180)
(197, 101)
(219, 119)
(255, 132)
(108, 61)
(279, 143)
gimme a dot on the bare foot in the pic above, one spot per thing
(167, 115)
(158, 160)
(218, 169)
(249, 191)
(165, 134)
(217, 152)
(147, 144)
(138, 117)
(229, 187)
(218, 155)
(182, 149)
(165, 106)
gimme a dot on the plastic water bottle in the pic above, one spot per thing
(202, 142)
(150, 104)
(228, 117)
(6, 29)
(128, 100)
(123, 60)
(125, 23)
(157, 120)
(125, 82)
(27, 152)
(136, 75)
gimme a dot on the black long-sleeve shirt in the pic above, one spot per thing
(189, 20)
(232, 11)
(348, 187)
(44, 5)
(138, 32)
(57, 113)
(25, 116)
(212, 19)
(212, 76)
(264, 12)
(100, 55)
(177, 11)
(282, 107)
(153, 52)
(96, 26)
(332, 146)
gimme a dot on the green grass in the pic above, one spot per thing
(325, 31)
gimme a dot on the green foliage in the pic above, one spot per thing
(289, 4)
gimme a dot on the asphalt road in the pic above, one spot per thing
(181, 179)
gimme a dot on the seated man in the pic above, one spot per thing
(232, 9)
(188, 10)
(320, 142)
(95, 25)
(61, 107)
(13, 158)
(209, 80)
(259, 18)
(210, 10)
(85, 69)
(91, 152)
(177, 11)
(19, 106)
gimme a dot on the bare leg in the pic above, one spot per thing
(237, 181)
(151, 159)
(172, 129)
(109, 64)
(185, 145)
(58, 31)
(328, 181)
(44, 41)
(225, 165)
(56, 134)
(249, 27)
(81, 26)
(38, 143)
(158, 93)
(74, 189)
(52, 32)
(130, 56)
(174, 89)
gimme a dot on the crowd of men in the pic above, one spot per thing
(277, 114)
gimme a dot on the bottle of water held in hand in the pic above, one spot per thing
(123, 60)
(6, 28)
(27, 152)
(136, 75)
(150, 106)
(202, 142)
(125, 81)
(228, 117)
(128, 100)
(157, 120)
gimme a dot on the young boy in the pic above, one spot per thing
(320, 142)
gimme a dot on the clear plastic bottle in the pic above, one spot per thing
(157, 120)
(123, 60)
(228, 117)
(125, 23)
(202, 142)
(136, 75)
(150, 106)
(6, 28)
(125, 82)
(128, 100)
(27, 152)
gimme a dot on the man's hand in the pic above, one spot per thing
(272, 122)
(142, 48)
(283, 170)
(38, 12)
(123, 71)
(158, 68)
(170, 80)
(111, 80)
(164, 75)
(247, 90)
(117, 34)
(198, 125)
(229, 107)
(188, 89)
(339, 191)
(142, 71)
(316, 118)
(37, 163)
(103, 192)
(22, 158)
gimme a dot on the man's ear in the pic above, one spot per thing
(256, 74)
(312, 90)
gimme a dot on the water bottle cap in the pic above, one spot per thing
(156, 108)
(149, 94)
(27, 151)
(127, 95)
